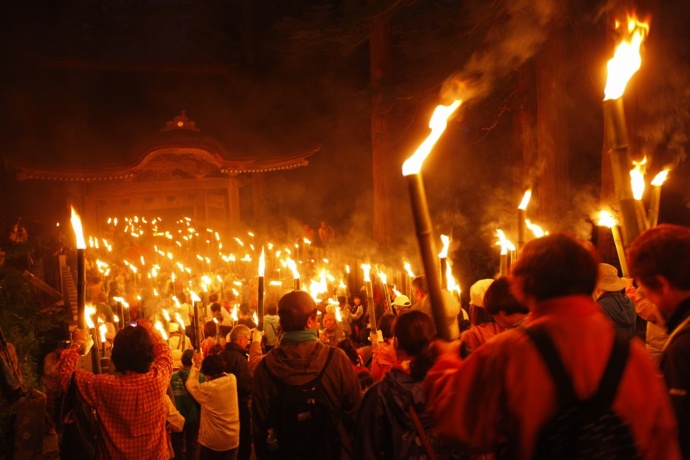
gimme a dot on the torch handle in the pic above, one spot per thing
(260, 306)
(95, 355)
(427, 248)
(197, 332)
(372, 307)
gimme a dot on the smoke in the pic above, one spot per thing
(524, 26)
(666, 117)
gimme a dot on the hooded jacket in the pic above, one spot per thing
(621, 309)
(299, 363)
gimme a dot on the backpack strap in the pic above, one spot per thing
(547, 350)
(422, 434)
(608, 385)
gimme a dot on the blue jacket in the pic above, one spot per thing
(621, 309)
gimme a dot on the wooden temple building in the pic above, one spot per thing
(179, 172)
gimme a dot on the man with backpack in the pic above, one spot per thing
(568, 386)
(305, 394)
(659, 261)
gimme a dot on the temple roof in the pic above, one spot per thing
(179, 150)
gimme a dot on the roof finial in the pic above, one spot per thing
(180, 122)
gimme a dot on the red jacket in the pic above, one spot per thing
(503, 390)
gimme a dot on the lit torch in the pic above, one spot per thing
(607, 220)
(410, 277)
(295, 274)
(260, 307)
(506, 246)
(443, 257)
(420, 210)
(522, 216)
(81, 270)
(637, 184)
(625, 62)
(88, 323)
(370, 297)
(655, 197)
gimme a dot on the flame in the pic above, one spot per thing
(606, 219)
(536, 229)
(159, 327)
(293, 268)
(78, 232)
(338, 316)
(306, 241)
(626, 60)
(122, 301)
(166, 315)
(446, 243)
(116, 318)
(102, 329)
(347, 269)
(660, 178)
(194, 296)
(504, 242)
(179, 320)
(437, 123)
(637, 178)
(255, 317)
(408, 269)
(234, 313)
(89, 310)
(525, 199)
(366, 268)
(262, 262)
(451, 285)
(384, 278)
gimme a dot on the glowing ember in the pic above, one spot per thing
(637, 178)
(626, 60)
(437, 123)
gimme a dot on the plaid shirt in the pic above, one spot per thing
(131, 407)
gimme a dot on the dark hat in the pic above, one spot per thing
(297, 302)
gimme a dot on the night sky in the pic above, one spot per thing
(86, 81)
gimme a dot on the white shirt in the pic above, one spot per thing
(219, 425)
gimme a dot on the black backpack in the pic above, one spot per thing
(584, 429)
(303, 425)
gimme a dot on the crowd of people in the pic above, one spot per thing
(550, 345)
